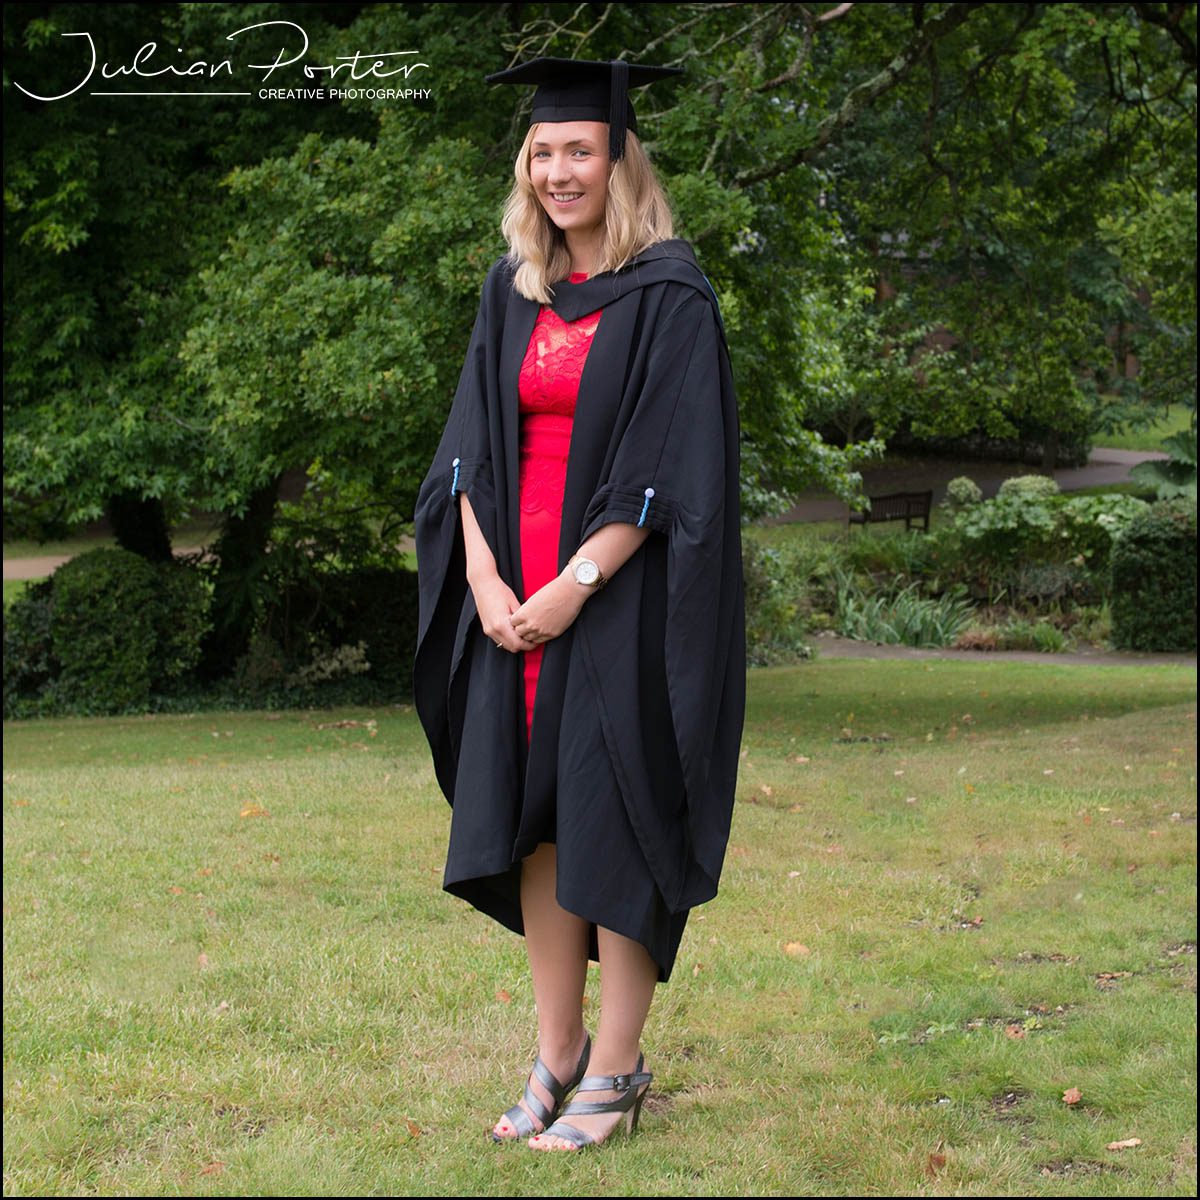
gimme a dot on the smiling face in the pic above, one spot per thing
(568, 165)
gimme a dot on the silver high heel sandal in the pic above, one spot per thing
(520, 1120)
(630, 1104)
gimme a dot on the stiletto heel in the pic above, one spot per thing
(629, 1104)
(637, 1110)
(520, 1120)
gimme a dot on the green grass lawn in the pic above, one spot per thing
(1175, 420)
(13, 588)
(953, 892)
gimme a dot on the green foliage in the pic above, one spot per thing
(902, 617)
(961, 492)
(911, 553)
(775, 584)
(1019, 633)
(1154, 579)
(1088, 525)
(1029, 485)
(1005, 528)
(102, 633)
(1033, 523)
(102, 629)
(113, 207)
(1176, 476)
(30, 666)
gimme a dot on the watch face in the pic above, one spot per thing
(587, 571)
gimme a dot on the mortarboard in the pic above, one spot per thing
(571, 89)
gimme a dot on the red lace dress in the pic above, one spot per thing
(548, 389)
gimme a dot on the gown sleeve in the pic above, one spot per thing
(676, 470)
(461, 465)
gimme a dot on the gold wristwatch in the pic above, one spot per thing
(586, 571)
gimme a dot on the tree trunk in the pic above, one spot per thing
(1050, 450)
(241, 552)
(140, 524)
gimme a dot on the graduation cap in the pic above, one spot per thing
(570, 89)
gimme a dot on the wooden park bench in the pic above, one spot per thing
(896, 506)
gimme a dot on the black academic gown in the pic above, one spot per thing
(640, 703)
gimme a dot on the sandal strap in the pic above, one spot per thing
(548, 1080)
(569, 1133)
(617, 1083)
(520, 1119)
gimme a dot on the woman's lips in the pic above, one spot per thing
(565, 203)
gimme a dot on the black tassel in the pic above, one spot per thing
(618, 102)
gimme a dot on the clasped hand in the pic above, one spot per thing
(548, 613)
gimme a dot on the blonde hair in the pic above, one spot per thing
(637, 214)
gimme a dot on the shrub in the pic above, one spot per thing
(310, 617)
(775, 584)
(102, 633)
(102, 629)
(1030, 485)
(1088, 525)
(1007, 536)
(1046, 582)
(911, 553)
(1153, 579)
(29, 662)
(1013, 526)
(961, 492)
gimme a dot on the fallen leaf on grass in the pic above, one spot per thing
(1014, 1031)
(767, 790)
(697, 969)
(935, 1163)
(414, 1129)
(1124, 1144)
(213, 1168)
(254, 810)
(202, 960)
(795, 949)
(796, 808)
(1072, 1096)
(800, 758)
(503, 996)
(175, 891)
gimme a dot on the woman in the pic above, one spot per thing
(580, 664)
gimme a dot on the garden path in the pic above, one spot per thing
(832, 645)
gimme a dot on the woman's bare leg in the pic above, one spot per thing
(557, 944)
(627, 978)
